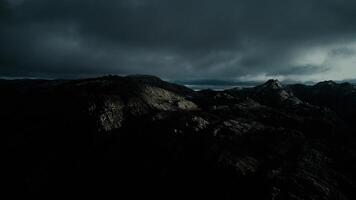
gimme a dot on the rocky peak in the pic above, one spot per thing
(272, 84)
(274, 93)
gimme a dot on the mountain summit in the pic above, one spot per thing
(273, 93)
(272, 84)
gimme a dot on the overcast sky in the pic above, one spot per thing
(297, 40)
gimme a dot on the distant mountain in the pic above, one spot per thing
(216, 84)
(144, 137)
(340, 97)
(352, 81)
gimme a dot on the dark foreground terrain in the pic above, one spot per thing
(139, 136)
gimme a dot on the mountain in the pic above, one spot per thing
(272, 93)
(340, 97)
(144, 137)
(216, 84)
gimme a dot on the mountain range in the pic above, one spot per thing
(140, 136)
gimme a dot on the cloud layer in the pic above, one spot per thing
(179, 39)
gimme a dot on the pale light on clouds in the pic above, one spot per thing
(203, 39)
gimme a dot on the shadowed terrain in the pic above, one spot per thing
(144, 137)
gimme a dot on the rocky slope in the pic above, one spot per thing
(144, 137)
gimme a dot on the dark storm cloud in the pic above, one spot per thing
(173, 38)
(299, 70)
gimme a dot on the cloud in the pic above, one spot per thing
(185, 39)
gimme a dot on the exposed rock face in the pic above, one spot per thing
(110, 101)
(143, 137)
(108, 112)
(165, 100)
